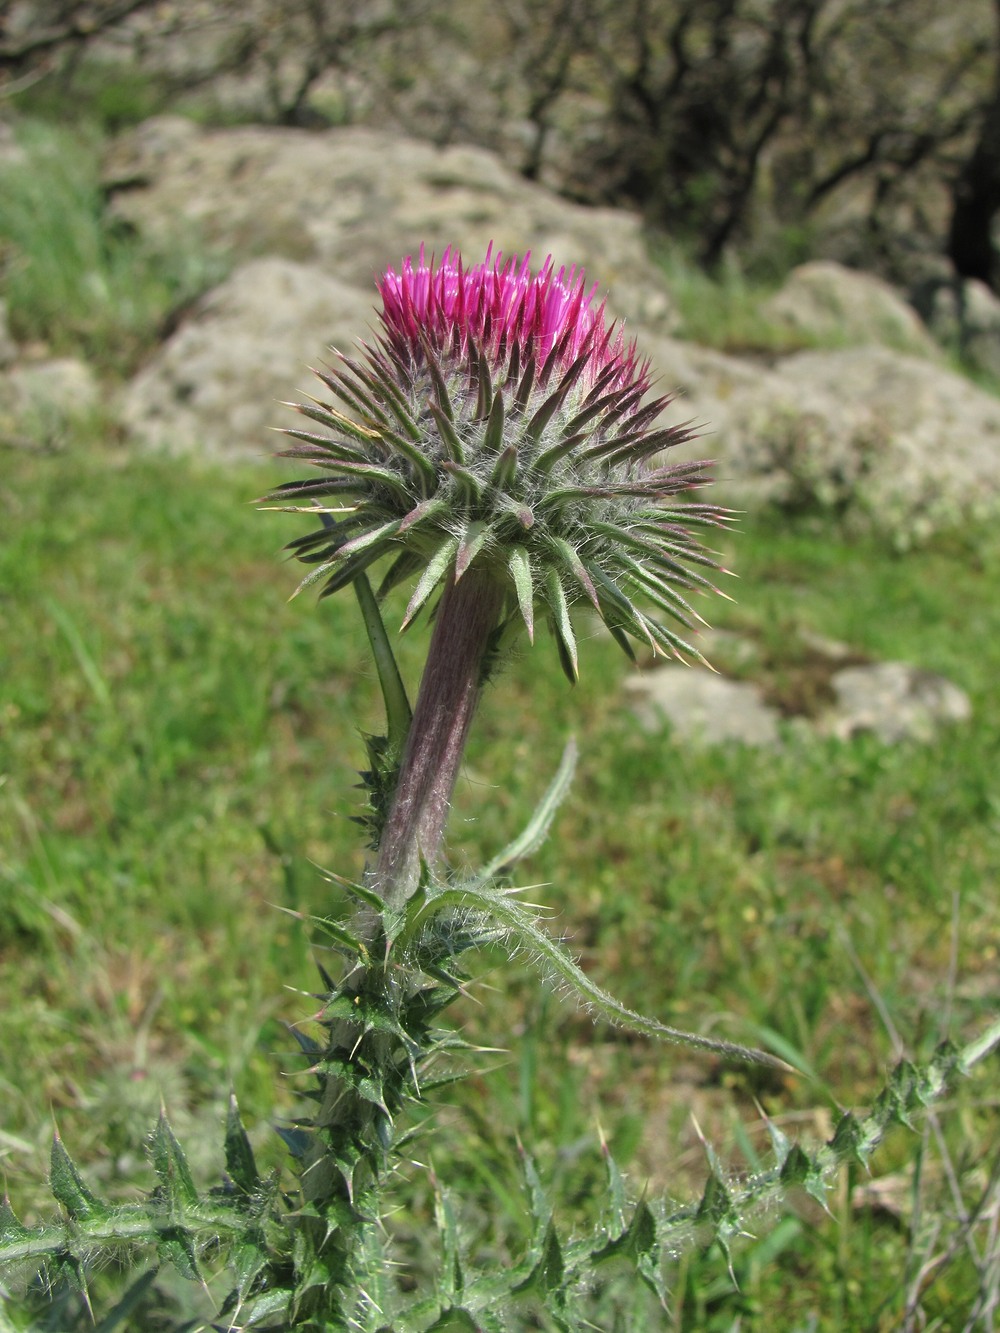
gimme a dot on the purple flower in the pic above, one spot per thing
(499, 421)
(497, 304)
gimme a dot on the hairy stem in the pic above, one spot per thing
(467, 617)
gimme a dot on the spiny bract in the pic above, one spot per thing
(498, 420)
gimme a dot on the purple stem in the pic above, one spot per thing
(467, 616)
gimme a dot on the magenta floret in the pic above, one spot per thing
(499, 304)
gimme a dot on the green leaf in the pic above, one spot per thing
(171, 1167)
(537, 828)
(555, 400)
(262, 1309)
(452, 1276)
(560, 966)
(466, 483)
(525, 385)
(68, 1187)
(571, 559)
(175, 1246)
(716, 1205)
(503, 474)
(548, 1274)
(397, 705)
(240, 1163)
(796, 1167)
(484, 401)
(11, 1228)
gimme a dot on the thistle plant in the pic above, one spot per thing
(494, 449)
(496, 444)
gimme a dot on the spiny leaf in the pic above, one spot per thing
(507, 910)
(548, 1274)
(297, 1141)
(571, 559)
(171, 1167)
(466, 482)
(505, 469)
(452, 1276)
(449, 436)
(796, 1166)
(68, 1187)
(537, 828)
(527, 383)
(176, 1246)
(240, 1163)
(11, 1228)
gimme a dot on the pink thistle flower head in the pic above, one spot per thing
(498, 420)
(498, 304)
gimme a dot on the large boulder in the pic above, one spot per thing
(826, 302)
(894, 443)
(354, 200)
(966, 315)
(215, 387)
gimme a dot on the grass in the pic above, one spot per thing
(727, 310)
(178, 744)
(72, 279)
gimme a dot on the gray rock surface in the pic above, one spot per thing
(38, 398)
(895, 701)
(897, 444)
(702, 708)
(894, 442)
(354, 200)
(826, 300)
(966, 315)
(217, 385)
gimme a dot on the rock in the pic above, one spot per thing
(895, 701)
(354, 200)
(702, 708)
(217, 384)
(823, 301)
(894, 443)
(966, 316)
(39, 398)
(892, 700)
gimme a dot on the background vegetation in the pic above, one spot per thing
(176, 742)
(783, 128)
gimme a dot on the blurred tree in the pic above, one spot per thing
(723, 121)
(976, 193)
(40, 37)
